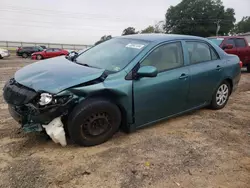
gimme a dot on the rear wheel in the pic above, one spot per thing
(93, 122)
(39, 57)
(1, 57)
(248, 67)
(221, 96)
(25, 55)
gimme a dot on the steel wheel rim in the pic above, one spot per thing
(222, 94)
(96, 124)
(39, 57)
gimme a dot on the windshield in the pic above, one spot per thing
(217, 41)
(112, 55)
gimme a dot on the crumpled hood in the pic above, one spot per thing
(55, 74)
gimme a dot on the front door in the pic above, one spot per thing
(49, 52)
(232, 42)
(205, 69)
(165, 94)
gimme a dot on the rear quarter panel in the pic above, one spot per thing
(231, 67)
(232, 70)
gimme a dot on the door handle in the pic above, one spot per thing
(183, 76)
(218, 68)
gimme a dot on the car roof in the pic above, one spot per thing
(225, 37)
(154, 37)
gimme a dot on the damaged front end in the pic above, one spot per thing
(35, 111)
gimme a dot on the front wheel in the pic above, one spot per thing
(221, 96)
(25, 55)
(39, 57)
(94, 121)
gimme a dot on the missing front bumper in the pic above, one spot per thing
(54, 129)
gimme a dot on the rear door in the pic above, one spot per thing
(165, 94)
(205, 69)
(242, 50)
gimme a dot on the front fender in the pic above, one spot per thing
(120, 92)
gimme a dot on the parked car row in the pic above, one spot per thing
(40, 52)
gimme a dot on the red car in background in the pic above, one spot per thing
(48, 53)
(234, 45)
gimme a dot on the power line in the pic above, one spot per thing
(72, 28)
(20, 8)
(54, 23)
(77, 16)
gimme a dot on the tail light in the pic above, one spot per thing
(241, 64)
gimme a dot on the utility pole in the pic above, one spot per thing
(218, 27)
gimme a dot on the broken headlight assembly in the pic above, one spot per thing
(49, 99)
(45, 99)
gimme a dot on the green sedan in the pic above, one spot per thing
(124, 83)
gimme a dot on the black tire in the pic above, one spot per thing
(1, 57)
(24, 55)
(39, 57)
(92, 116)
(248, 67)
(215, 104)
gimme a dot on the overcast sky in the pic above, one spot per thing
(84, 21)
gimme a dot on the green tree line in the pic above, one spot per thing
(195, 17)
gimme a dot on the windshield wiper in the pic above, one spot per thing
(85, 64)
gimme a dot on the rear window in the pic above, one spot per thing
(240, 42)
(216, 41)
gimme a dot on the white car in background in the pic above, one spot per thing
(4, 53)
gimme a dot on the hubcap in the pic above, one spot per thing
(39, 57)
(222, 94)
(96, 124)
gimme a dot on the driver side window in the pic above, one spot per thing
(165, 57)
(50, 50)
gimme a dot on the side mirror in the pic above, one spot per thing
(72, 56)
(147, 71)
(228, 46)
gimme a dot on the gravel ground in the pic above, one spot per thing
(203, 149)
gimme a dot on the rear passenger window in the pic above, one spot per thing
(240, 43)
(214, 54)
(200, 52)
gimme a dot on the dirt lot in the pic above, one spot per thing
(204, 149)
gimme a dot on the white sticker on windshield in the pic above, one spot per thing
(137, 46)
(220, 38)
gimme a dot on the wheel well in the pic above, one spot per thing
(112, 97)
